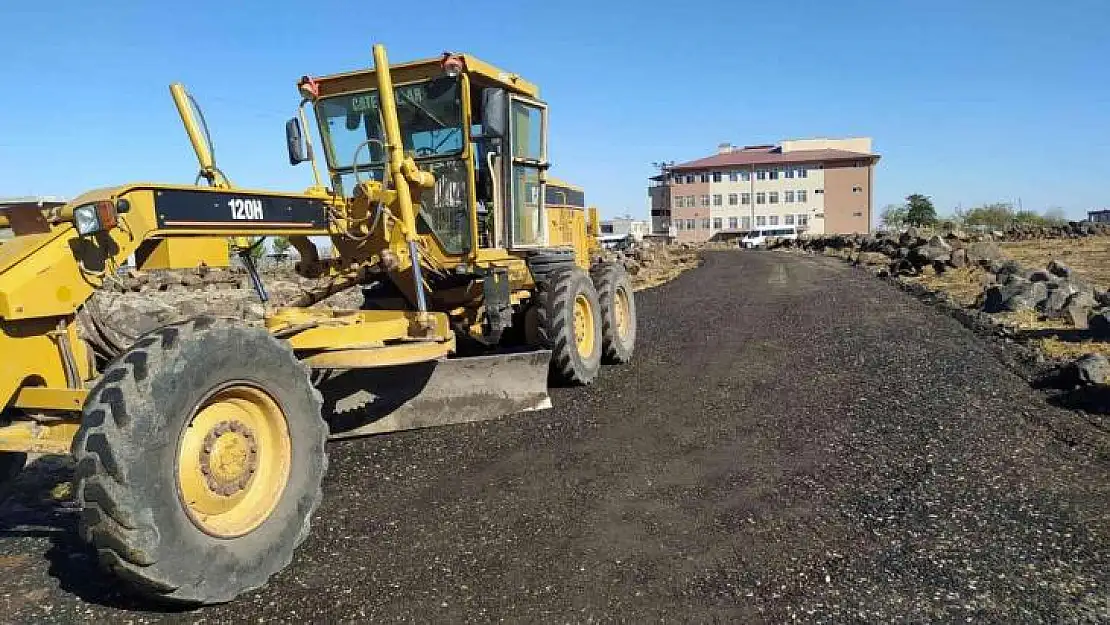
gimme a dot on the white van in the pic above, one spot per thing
(758, 238)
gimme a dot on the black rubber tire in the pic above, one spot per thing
(11, 465)
(610, 279)
(555, 326)
(126, 454)
(543, 264)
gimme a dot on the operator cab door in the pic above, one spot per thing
(527, 223)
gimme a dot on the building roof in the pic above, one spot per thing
(770, 155)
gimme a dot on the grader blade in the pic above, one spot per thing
(361, 402)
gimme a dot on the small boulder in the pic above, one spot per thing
(958, 258)
(1090, 369)
(1057, 297)
(983, 252)
(1099, 324)
(1078, 308)
(1041, 275)
(1010, 267)
(938, 241)
(1058, 268)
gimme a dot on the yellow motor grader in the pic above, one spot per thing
(200, 446)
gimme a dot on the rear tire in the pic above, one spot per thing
(618, 312)
(199, 461)
(568, 322)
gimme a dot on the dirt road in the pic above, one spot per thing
(794, 440)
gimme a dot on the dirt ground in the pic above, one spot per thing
(793, 442)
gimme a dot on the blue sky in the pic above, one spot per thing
(968, 101)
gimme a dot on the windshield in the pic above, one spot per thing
(429, 113)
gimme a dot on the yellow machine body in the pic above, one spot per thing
(378, 224)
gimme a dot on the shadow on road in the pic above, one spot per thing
(39, 508)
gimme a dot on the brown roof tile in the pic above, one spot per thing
(754, 157)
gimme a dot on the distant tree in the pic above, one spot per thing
(893, 216)
(1056, 216)
(997, 215)
(920, 210)
(281, 245)
(256, 246)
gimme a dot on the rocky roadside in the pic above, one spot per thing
(1050, 325)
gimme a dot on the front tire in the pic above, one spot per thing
(200, 460)
(569, 324)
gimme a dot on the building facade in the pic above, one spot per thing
(816, 186)
(625, 227)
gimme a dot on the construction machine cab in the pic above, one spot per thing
(478, 130)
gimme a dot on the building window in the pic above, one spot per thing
(690, 201)
(678, 224)
(678, 202)
(705, 200)
(689, 224)
(732, 176)
(716, 176)
(745, 198)
(787, 197)
(732, 223)
(802, 196)
(716, 223)
(802, 172)
(733, 199)
(857, 189)
(773, 220)
(705, 177)
(760, 220)
(717, 200)
(678, 179)
(745, 223)
(773, 197)
(819, 191)
(788, 220)
(761, 174)
(857, 214)
(690, 179)
(705, 224)
(745, 176)
(761, 198)
(774, 174)
(803, 220)
(788, 173)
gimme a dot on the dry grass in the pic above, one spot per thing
(1089, 257)
(1057, 338)
(963, 284)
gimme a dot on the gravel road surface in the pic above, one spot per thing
(794, 441)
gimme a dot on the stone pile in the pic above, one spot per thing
(1054, 292)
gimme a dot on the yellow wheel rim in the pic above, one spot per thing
(623, 312)
(233, 461)
(583, 325)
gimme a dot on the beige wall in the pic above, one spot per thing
(848, 210)
(854, 144)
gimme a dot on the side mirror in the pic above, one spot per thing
(299, 151)
(495, 113)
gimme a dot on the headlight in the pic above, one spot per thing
(86, 219)
(91, 218)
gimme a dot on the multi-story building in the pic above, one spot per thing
(818, 186)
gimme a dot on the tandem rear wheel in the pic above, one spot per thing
(200, 460)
